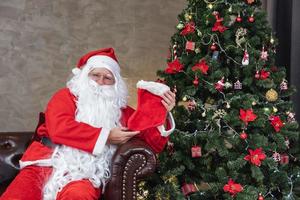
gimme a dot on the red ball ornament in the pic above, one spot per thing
(257, 76)
(243, 136)
(213, 47)
(284, 159)
(196, 81)
(260, 197)
(239, 19)
(251, 19)
(274, 69)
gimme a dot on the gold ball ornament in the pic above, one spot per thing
(253, 103)
(271, 95)
(210, 6)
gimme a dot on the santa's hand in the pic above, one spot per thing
(169, 100)
(120, 135)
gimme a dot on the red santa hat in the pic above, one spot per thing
(105, 58)
(150, 111)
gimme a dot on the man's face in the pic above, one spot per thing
(102, 76)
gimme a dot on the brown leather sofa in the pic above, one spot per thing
(133, 162)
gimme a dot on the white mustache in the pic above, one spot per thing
(107, 91)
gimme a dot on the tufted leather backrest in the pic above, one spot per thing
(12, 146)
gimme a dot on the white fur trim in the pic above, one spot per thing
(76, 71)
(162, 129)
(101, 141)
(103, 61)
(42, 162)
(71, 164)
(153, 87)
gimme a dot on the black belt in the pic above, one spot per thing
(47, 142)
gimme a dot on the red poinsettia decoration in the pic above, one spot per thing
(264, 74)
(218, 26)
(202, 66)
(247, 115)
(232, 188)
(220, 85)
(188, 28)
(174, 67)
(276, 123)
(256, 156)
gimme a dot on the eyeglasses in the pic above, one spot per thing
(106, 78)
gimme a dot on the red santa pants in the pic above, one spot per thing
(29, 184)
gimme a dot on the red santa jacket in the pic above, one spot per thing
(62, 128)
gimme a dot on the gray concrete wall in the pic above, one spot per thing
(41, 41)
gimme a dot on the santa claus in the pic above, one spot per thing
(84, 124)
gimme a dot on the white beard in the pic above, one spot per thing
(98, 106)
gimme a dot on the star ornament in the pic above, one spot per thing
(202, 66)
(232, 188)
(264, 55)
(256, 156)
(247, 115)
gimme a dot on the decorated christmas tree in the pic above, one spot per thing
(236, 136)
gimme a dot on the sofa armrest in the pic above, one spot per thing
(132, 162)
